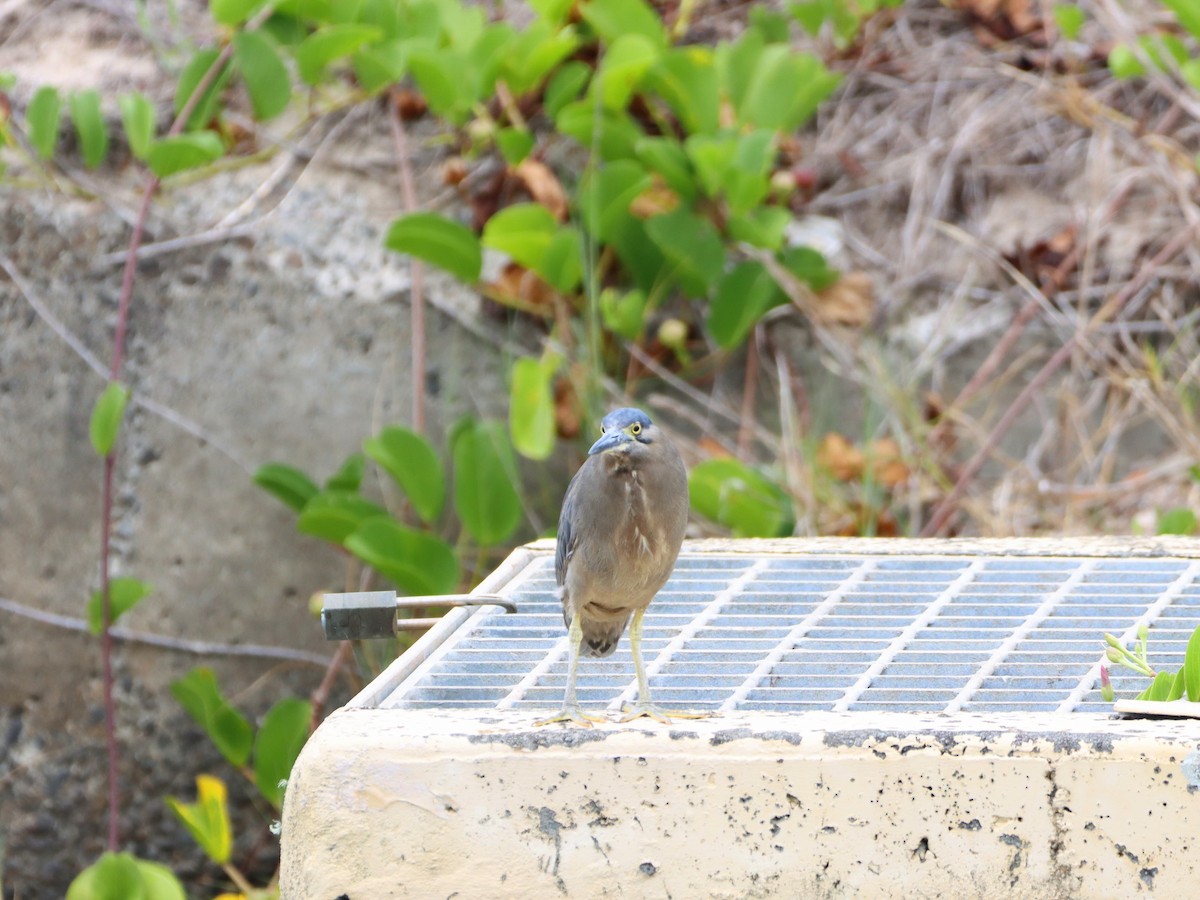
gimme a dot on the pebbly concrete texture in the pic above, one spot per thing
(419, 803)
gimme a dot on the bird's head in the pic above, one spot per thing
(626, 431)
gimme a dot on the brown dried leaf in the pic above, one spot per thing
(1004, 19)
(843, 460)
(850, 302)
(654, 201)
(887, 465)
(543, 186)
(409, 104)
(568, 412)
(522, 289)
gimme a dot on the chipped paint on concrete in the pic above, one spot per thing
(415, 803)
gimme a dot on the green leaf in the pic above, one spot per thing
(418, 563)
(688, 80)
(1178, 685)
(610, 135)
(123, 595)
(412, 463)
(440, 76)
(233, 12)
(565, 86)
(265, 75)
(562, 263)
(122, 876)
(1190, 72)
(137, 115)
(743, 500)
(531, 419)
(1191, 667)
(286, 483)
(41, 119)
(553, 11)
(666, 157)
(378, 66)
(334, 515)
(106, 417)
(439, 241)
(764, 226)
(771, 86)
(327, 45)
(743, 296)
(514, 144)
(612, 19)
(1160, 688)
(484, 474)
(89, 125)
(623, 312)
(1123, 63)
(197, 68)
(1180, 520)
(621, 70)
(280, 737)
(1069, 20)
(1188, 14)
(200, 697)
(1166, 51)
(810, 267)
(535, 53)
(772, 25)
(181, 152)
(114, 876)
(693, 247)
(349, 476)
(522, 231)
(208, 818)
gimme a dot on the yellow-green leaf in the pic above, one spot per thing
(208, 818)
(106, 417)
(531, 419)
(266, 78)
(41, 118)
(439, 241)
(137, 115)
(123, 595)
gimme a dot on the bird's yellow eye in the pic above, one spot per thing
(635, 429)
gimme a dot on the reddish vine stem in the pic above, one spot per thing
(942, 514)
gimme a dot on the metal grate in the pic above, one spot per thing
(824, 632)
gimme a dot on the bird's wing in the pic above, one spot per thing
(567, 536)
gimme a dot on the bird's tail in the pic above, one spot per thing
(601, 634)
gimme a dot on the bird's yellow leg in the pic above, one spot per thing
(571, 713)
(644, 706)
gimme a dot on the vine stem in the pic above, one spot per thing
(408, 193)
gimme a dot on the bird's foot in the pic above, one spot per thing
(631, 711)
(571, 714)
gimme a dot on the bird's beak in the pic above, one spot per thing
(610, 440)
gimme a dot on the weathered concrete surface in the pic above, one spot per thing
(416, 803)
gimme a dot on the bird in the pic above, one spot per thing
(622, 524)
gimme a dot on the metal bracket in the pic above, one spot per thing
(376, 614)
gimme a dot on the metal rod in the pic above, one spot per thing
(376, 614)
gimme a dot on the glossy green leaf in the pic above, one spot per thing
(531, 416)
(612, 19)
(418, 563)
(349, 476)
(411, 462)
(123, 595)
(741, 499)
(200, 697)
(1160, 688)
(233, 12)
(334, 515)
(1123, 63)
(106, 417)
(622, 68)
(623, 312)
(264, 73)
(280, 737)
(484, 476)
(1069, 20)
(178, 153)
(439, 241)
(193, 73)
(207, 820)
(693, 248)
(523, 231)
(565, 86)
(1191, 667)
(286, 483)
(122, 876)
(41, 119)
(137, 115)
(744, 295)
(1179, 520)
(326, 46)
(89, 125)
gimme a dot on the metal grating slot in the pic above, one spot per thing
(842, 634)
